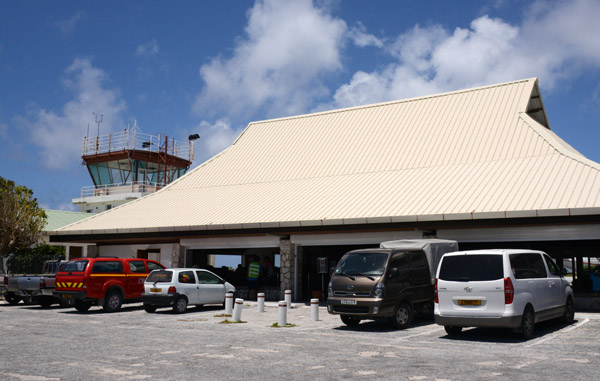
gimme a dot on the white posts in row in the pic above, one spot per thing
(282, 310)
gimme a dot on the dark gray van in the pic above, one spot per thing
(390, 282)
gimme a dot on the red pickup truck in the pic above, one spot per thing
(106, 282)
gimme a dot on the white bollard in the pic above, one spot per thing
(288, 298)
(260, 298)
(282, 321)
(229, 303)
(314, 309)
(237, 310)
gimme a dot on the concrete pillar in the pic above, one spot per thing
(286, 277)
(93, 251)
(177, 255)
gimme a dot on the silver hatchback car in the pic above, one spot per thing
(179, 288)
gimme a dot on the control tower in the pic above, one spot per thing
(130, 164)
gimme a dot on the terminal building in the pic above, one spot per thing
(480, 166)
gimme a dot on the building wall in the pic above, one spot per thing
(171, 255)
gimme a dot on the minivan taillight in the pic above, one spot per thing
(172, 290)
(509, 291)
(5, 280)
(435, 292)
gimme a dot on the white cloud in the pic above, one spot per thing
(148, 49)
(66, 27)
(278, 65)
(59, 135)
(214, 138)
(362, 39)
(551, 43)
(3, 130)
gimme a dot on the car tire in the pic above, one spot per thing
(527, 323)
(12, 298)
(350, 321)
(569, 315)
(112, 301)
(452, 330)
(82, 306)
(180, 305)
(46, 301)
(149, 308)
(403, 316)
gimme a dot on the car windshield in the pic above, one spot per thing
(471, 268)
(160, 276)
(362, 264)
(74, 266)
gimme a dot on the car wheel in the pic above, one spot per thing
(350, 321)
(569, 315)
(452, 330)
(149, 308)
(112, 301)
(527, 323)
(12, 298)
(82, 306)
(403, 316)
(180, 305)
(46, 301)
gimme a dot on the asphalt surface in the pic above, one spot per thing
(63, 344)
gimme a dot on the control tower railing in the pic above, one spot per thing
(114, 189)
(134, 140)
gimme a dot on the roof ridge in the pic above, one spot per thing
(387, 103)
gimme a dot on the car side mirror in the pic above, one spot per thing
(564, 271)
(394, 272)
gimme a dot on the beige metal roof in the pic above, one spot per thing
(479, 153)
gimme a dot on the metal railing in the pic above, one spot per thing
(130, 139)
(112, 189)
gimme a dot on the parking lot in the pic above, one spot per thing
(63, 344)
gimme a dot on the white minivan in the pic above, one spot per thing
(500, 288)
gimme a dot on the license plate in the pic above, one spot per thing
(67, 296)
(469, 302)
(156, 290)
(349, 301)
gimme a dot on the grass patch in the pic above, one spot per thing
(222, 315)
(288, 325)
(231, 322)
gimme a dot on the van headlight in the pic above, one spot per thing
(329, 290)
(379, 290)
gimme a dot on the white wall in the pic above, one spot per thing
(130, 251)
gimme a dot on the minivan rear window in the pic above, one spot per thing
(471, 268)
(160, 276)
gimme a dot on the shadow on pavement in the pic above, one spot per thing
(505, 335)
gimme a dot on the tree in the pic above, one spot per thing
(21, 220)
(31, 260)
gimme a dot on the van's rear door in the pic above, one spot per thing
(471, 285)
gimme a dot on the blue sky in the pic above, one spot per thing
(183, 67)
